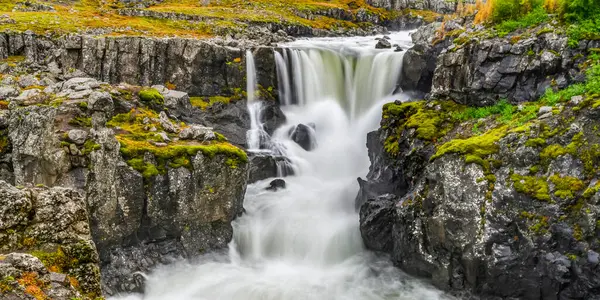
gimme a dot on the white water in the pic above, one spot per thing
(303, 242)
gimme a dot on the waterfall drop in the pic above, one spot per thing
(303, 242)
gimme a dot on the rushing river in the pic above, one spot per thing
(303, 242)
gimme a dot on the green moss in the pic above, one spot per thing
(182, 161)
(534, 169)
(151, 96)
(207, 102)
(147, 169)
(553, 151)
(540, 223)
(535, 142)
(535, 187)
(591, 191)
(81, 121)
(90, 146)
(480, 146)
(566, 186)
(83, 105)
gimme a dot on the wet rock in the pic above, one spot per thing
(263, 166)
(276, 185)
(304, 136)
(383, 44)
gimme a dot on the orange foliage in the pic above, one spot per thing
(32, 285)
(485, 12)
(466, 9)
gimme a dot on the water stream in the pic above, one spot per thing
(303, 242)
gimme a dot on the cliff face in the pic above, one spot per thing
(505, 210)
(157, 184)
(47, 249)
(440, 6)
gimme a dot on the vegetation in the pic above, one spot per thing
(151, 96)
(136, 140)
(581, 16)
(196, 19)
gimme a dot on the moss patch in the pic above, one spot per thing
(536, 187)
(151, 96)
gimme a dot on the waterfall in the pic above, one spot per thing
(303, 242)
(256, 135)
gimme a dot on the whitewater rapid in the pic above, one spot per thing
(303, 242)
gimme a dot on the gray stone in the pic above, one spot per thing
(8, 92)
(166, 123)
(27, 81)
(77, 136)
(196, 132)
(544, 109)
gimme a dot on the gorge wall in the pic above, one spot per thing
(499, 201)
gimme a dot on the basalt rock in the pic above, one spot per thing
(441, 6)
(304, 136)
(480, 72)
(517, 223)
(144, 208)
(45, 236)
(263, 166)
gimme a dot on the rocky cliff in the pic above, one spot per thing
(441, 6)
(479, 66)
(499, 201)
(158, 184)
(47, 249)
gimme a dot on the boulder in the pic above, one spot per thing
(304, 136)
(77, 136)
(263, 166)
(8, 92)
(196, 132)
(276, 185)
(172, 128)
(27, 81)
(383, 44)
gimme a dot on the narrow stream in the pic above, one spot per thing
(303, 242)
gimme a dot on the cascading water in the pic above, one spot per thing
(303, 242)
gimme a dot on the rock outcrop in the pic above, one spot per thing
(507, 211)
(46, 246)
(441, 6)
(158, 184)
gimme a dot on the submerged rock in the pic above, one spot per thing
(383, 44)
(276, 185)
(304, 136)
(263, 166)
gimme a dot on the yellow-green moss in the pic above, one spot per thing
(151, 96)
(90, 146)
(566, 186)
(535, 142)
(481, 145)
(540, 223)
(206, 102)
(536, 187)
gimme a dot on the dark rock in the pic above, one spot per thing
(263, 166)
(383, 44)
(276, 184)
(304, 136)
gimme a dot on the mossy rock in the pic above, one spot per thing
(151, 96)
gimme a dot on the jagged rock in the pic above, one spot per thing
(231, 120)
(35, 155)
(33, 6)
(304, 136)
(480, 71)
(8, 80)
(544, 109)
(77, 136)
(196, 132)
(40, 220)
(383, 44)
(276, 185)
(167, 125)
(8, 92)
(80, 84)
(465, 227)
(440, 6)
(419, 63)
(29, 97)
(27, 81)
(263, 166)
(163, 136)
(101, 101)
(177, 102)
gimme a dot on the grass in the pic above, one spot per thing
(215, 18)
(534, 18)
